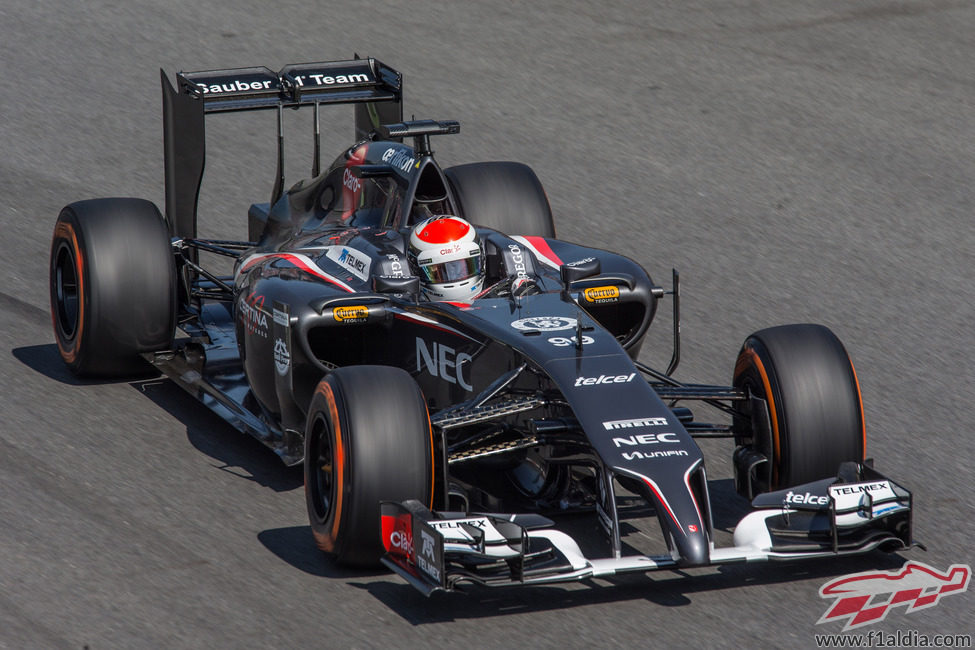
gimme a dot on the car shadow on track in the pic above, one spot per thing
(665, 588)
(235, 452)
(46, 360)
(296, 546)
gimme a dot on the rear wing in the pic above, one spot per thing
(374, 88)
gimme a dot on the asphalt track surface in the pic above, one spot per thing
(797, 162)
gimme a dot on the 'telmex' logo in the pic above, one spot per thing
(602, 294)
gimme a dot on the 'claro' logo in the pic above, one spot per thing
(602, 294)
(351, 314)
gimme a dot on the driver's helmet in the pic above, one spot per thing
(445, 252)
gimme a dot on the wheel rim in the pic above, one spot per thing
(750, 382)
(753, 386)
(322, 482)
(67, 298)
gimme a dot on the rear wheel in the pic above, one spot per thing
(815, 413)
(113, 286)
(367, 439)
(505, 196)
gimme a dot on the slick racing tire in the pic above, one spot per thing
(505, 196)
(113, 286)
(815, 412)
(368, 439)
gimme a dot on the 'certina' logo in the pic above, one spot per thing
(605, 379)
(398, 159)
(544, 324)
(251, 317)
(351, 314)
(640, 422)
(866, 598)
(602, 294)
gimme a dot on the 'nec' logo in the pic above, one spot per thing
(442, 361)
(862, 598)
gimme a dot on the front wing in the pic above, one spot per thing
(440, 551)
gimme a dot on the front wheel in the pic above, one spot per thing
(815, 412)
(368, 439)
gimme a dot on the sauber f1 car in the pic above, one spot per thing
(446, 439)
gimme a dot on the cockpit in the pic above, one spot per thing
(364, 189)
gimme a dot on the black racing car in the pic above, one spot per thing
(451, 440)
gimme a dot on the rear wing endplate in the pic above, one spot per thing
(375, 89)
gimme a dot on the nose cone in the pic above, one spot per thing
(693, 548)
(680, 517)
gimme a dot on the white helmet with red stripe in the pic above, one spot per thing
(445, 252)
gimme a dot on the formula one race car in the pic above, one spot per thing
(448, 438)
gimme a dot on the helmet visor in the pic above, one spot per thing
(452, 271)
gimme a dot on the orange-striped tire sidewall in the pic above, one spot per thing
(65, 231)
(327, 540)
(749, 360)
(863, 416)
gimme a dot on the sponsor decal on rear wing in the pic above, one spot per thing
(375, 89)
(328, 82)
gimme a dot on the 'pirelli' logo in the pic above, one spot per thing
(632, 424)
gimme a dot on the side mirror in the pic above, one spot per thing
(396, 284)
(579, 270)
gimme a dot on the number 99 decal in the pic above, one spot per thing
(565, 341)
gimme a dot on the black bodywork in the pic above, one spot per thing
(537, 401)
